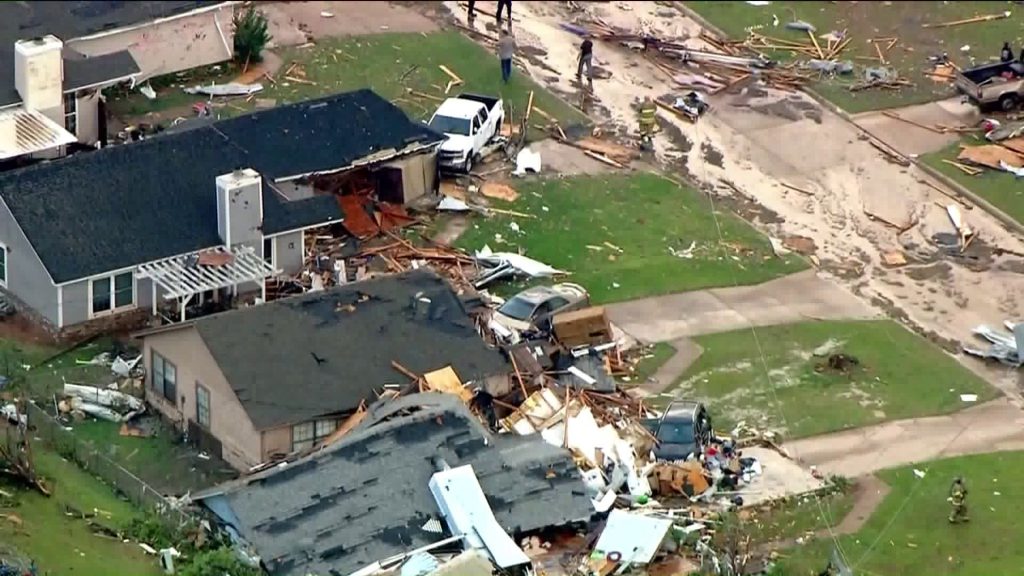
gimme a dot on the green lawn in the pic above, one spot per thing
(646, 217)
(899, 375)
(866, 20)
(919, 539)
(165, 465)
(1002, 189)
(63, 545)
(799, 518)
(380, 61)
(651, 360)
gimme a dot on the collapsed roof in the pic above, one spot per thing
(366, 497)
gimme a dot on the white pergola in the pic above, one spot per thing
(182, 277)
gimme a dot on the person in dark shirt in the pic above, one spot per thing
(586, 58)
(1006, 54)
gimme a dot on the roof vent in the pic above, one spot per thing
(420, 305)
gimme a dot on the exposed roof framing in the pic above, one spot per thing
(26, 131)
(183, 276)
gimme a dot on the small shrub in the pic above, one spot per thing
(251, 35)
(217, 562)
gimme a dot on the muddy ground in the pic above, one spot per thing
(757, 138)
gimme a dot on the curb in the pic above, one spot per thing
(948, 182)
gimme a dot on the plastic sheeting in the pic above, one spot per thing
(637, 538)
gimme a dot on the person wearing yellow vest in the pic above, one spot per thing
(958, 498)
(648, 123)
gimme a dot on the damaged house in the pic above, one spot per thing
(255, 384)
(372, 494)
(57, 57)
(153, 227)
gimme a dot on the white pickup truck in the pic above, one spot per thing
(469, 121)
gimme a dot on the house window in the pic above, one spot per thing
(3, 265)
(112, 292)
(165, 378)
(71, 113)
(202, 406)
(268, 251)
(309, 434)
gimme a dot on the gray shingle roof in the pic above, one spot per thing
(366, 497)
(69, 20)
(85, 72)
(126, 205)
(294, 359)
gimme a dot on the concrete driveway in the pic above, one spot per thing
(990, 427)
(796, 298)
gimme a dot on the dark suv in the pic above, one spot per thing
(683, 429)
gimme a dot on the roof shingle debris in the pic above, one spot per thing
(366, 497)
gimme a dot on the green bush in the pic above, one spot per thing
(251, 35)
(217, 562)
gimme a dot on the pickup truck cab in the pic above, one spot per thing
(469, 121)
(999, 86)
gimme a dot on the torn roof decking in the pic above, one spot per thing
(148, 200)
(295, 359)
(367, 498)
(70, 20)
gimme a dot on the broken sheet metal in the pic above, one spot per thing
(635, 538)
(1004, 347)
(527, 162)
(503, 264)
(464, 506)
(102, 403)
(231, 89)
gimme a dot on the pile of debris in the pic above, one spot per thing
(1005, 153)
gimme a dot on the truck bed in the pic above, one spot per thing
(983, 74)
(487, 101)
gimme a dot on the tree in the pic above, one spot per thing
(251, 35)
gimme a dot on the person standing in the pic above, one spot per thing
(506, 49)
(504, 5)
(1006, 54)
(586, 59)
(472, 12)
(648, 121)
(958, 498)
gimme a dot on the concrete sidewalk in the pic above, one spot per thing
(990, 427)
(796, 298)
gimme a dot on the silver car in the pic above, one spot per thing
(535, 306)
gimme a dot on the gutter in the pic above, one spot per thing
(366, 161)
(129, 28)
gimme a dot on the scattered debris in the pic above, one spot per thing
(225, 89)
(986, 18)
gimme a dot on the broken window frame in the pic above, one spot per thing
(111, 298)
(202, 405)
(319, 430)
(160, 374)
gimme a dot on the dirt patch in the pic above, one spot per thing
(746, 207)
(711, 154)
(293, 23)
(20, 328)
(937, 270)
(800, 244)
(838, 363)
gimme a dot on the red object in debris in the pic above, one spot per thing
(390, 216)
(357, 220)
